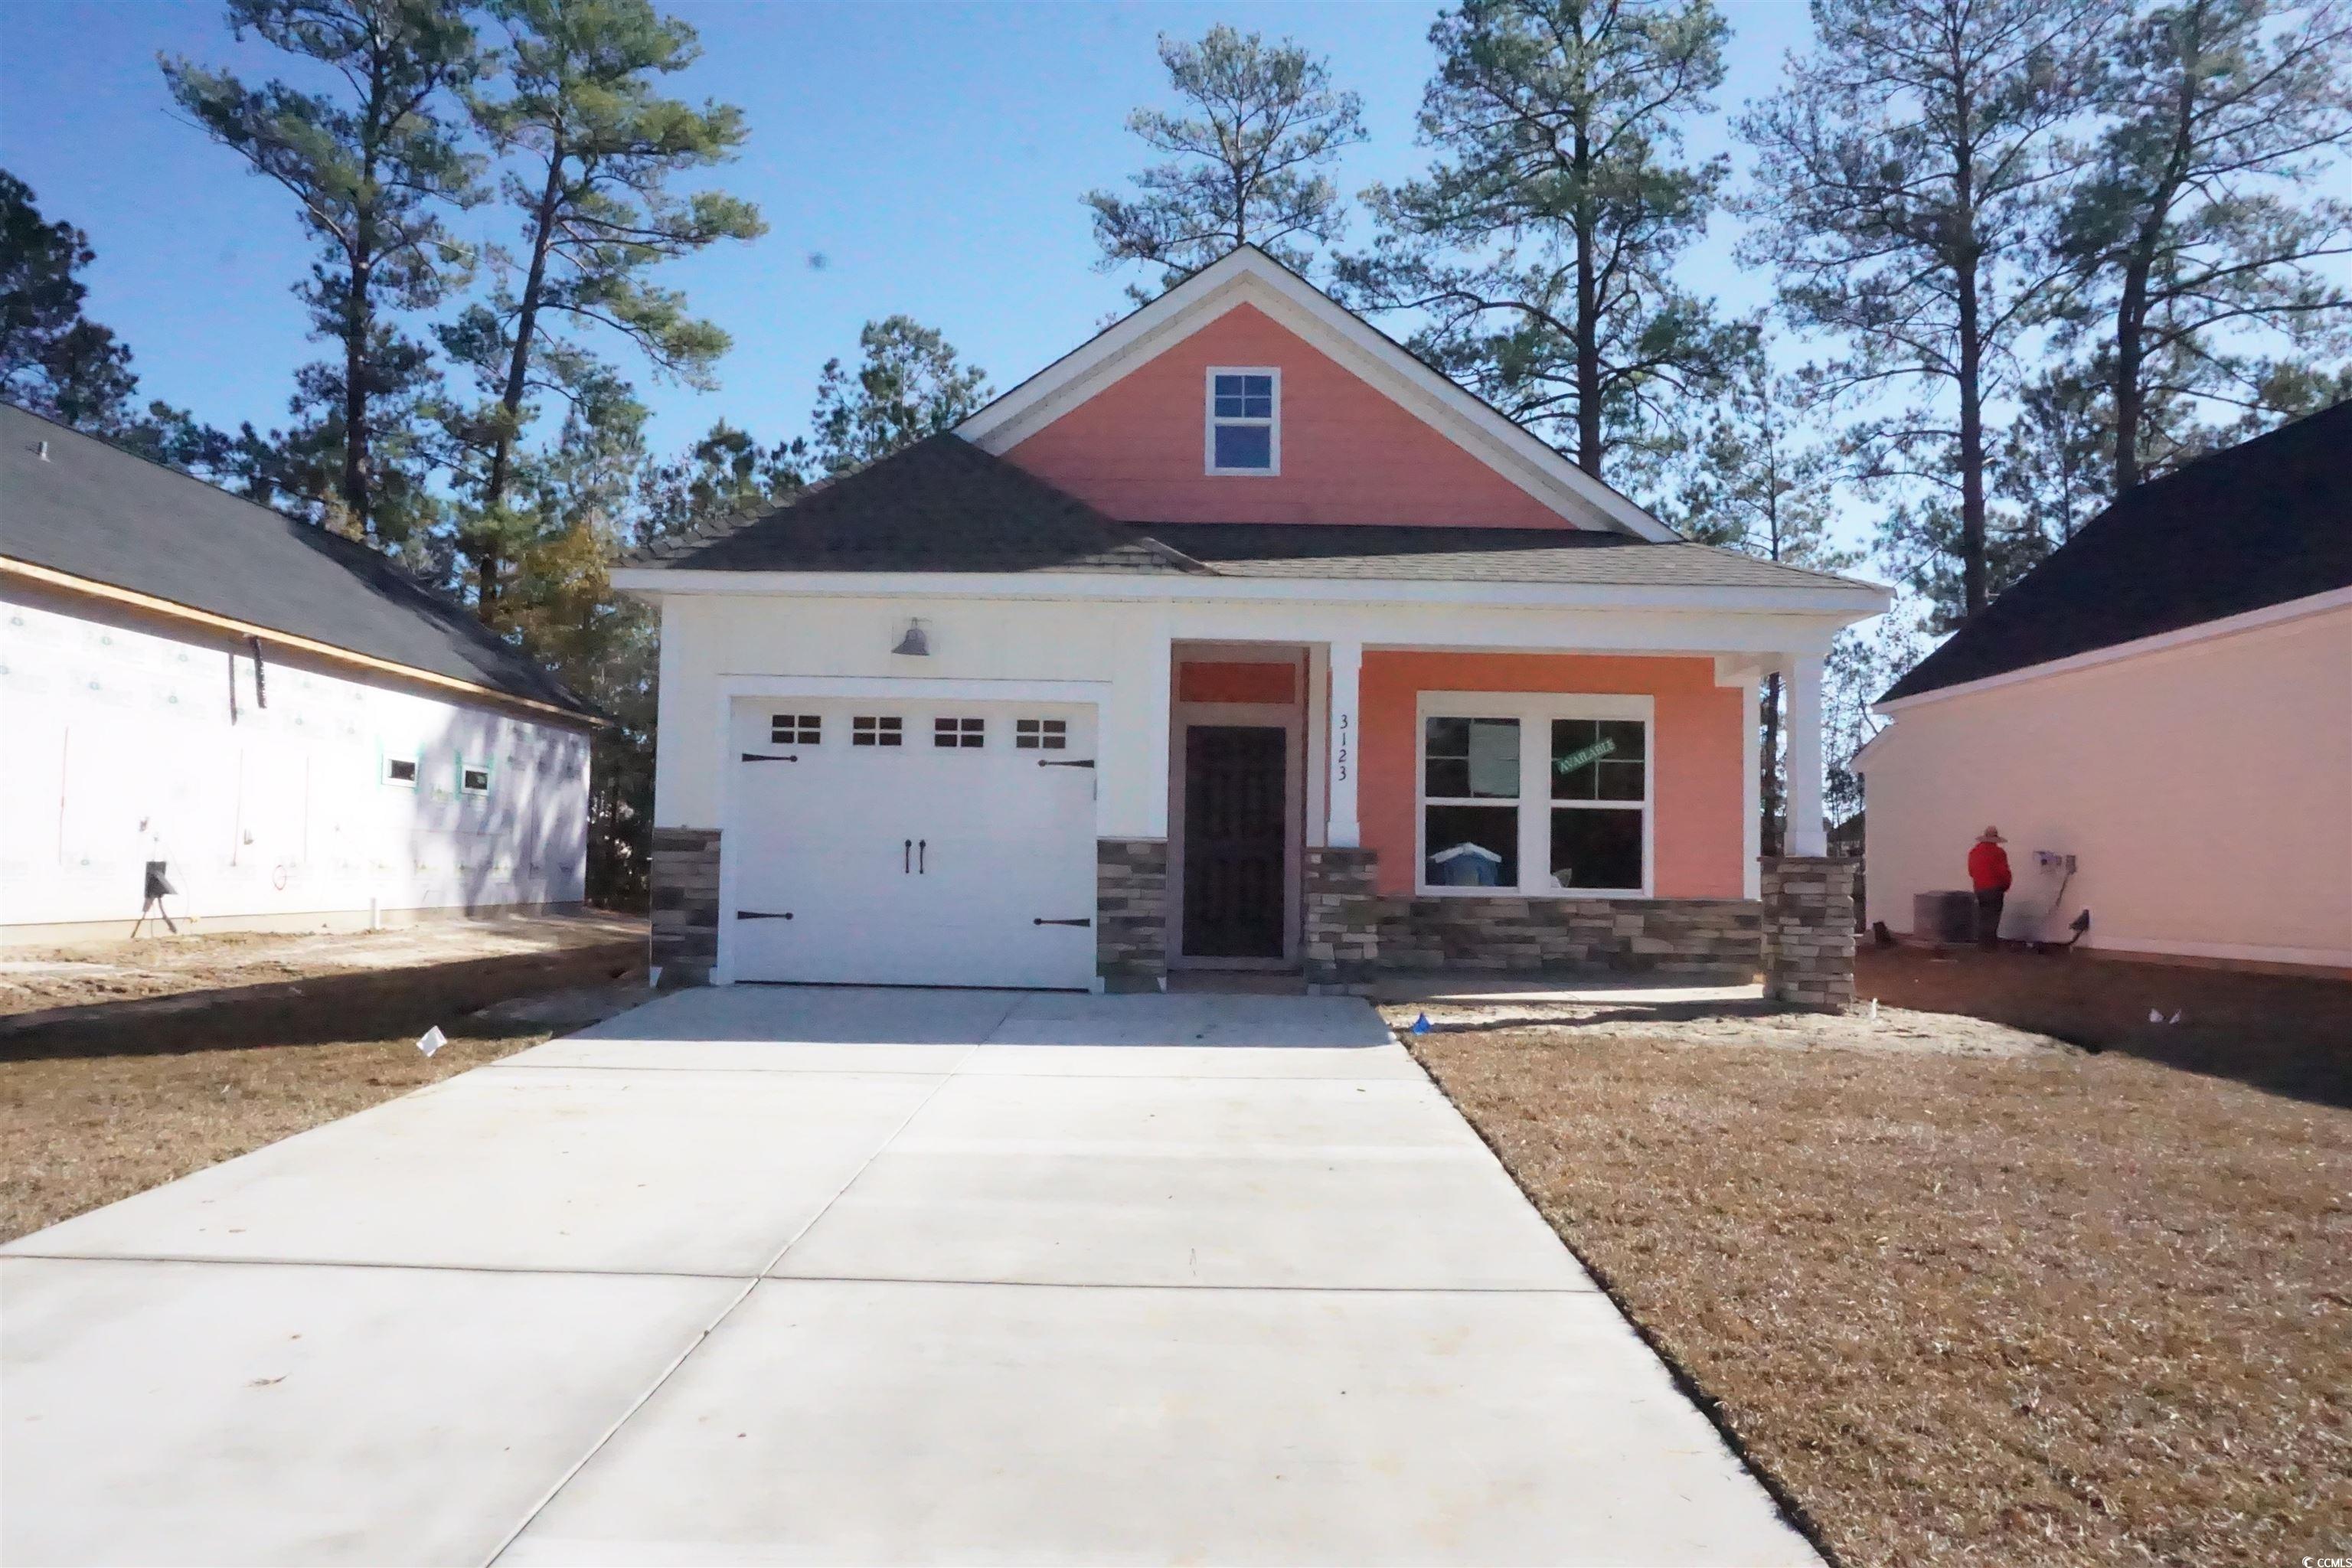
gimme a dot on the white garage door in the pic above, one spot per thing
(904, 843)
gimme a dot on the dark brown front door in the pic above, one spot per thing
(1234, 832)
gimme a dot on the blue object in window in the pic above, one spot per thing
(1467, 865)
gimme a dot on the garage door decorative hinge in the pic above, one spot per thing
(758, 757)
(762, 915)
(1052, 762)
(1042, 920)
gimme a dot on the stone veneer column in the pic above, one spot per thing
(1342, 916)
(1808, 930)
(685, 887)
(1131, 912)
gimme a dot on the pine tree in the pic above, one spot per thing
(373, 166)
(726, 474)
(592, 149)
(1540, 247)
(2200, 226)
(52, 359)
(1246, 166)
(561, 608)
(1905, 175)
(1765, 483)
(911, 384)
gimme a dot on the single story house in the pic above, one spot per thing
(2158, 717)
(1235, 638)
(291, 729)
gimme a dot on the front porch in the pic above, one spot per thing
(1342, 812)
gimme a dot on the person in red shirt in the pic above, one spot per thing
(1988, 873)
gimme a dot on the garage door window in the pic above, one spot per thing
(965, 733)
(871, 730)
(1041, 734)
(795, 729)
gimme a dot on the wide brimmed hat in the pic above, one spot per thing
(1990, 835)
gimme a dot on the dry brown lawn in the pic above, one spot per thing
(2042, 1307)
(77, 1132)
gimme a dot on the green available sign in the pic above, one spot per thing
(1577, 759)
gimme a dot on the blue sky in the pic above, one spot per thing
(933, 153)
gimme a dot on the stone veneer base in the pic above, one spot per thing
(1131, 913)
(685, 895)
(1800, 936)
(1355, 935)
(1808, 930)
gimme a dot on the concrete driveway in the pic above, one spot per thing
(811, 1276)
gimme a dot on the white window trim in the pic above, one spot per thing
(1209, 422)
(489, 777)
(1535, 710)
(416, 766)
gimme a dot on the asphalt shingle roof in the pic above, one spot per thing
(944, 505)
(94, 512)
(940, 505)
(2262, 523)
(1447, 554)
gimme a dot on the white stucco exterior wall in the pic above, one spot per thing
(2205, 788)
(117, 746)
(711, 638)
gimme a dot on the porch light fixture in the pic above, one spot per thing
(917, 643)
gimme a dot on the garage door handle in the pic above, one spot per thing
(907, 857)
(1049, 763)
(757, 757)
(923, 853)
(1042, 920)
(762, 915)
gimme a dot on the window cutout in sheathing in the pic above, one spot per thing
(400, 770)
(474, 781)
(959, 732)
(872, 729)
(1041, 734)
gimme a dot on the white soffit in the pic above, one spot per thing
(1248, 275)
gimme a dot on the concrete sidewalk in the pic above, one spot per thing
(768, 1275)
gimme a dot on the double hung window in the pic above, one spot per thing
(1535, 793)
(1245, 423)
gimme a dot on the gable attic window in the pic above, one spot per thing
(1244, 420)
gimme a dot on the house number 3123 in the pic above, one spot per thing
(1341, 753)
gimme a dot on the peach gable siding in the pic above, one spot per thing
(1698, 791)
(1349, 453)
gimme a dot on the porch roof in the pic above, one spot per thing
(943, 505)
(1451, 553)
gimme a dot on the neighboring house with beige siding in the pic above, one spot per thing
(2164, 706)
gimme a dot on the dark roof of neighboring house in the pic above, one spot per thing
(2259, 524)
(944, 505)
(92, 511)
